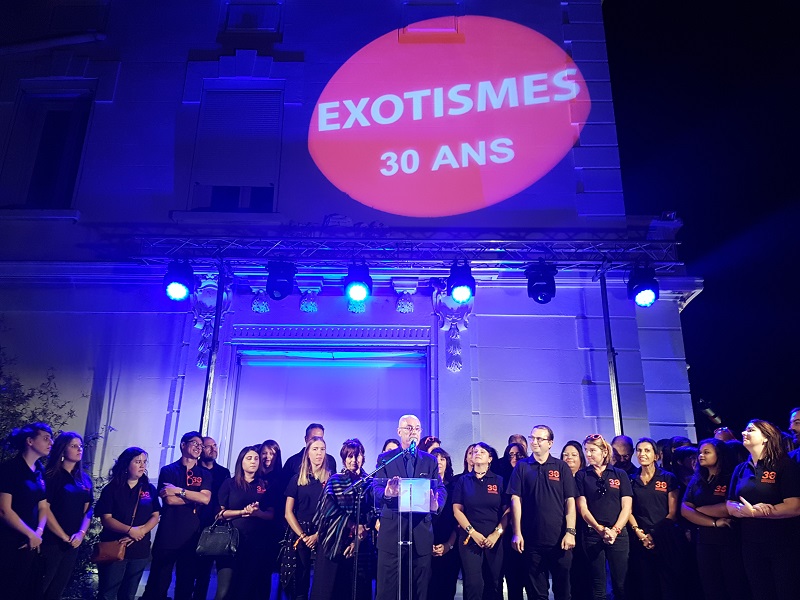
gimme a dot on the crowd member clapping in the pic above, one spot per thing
(764, 494)
(23, 509)
(69, 495)
(604, 504)
(717, 544)
(481, 509)
(239, 499)
(444, 560)
(129, 509)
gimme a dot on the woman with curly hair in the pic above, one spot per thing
(69, 494)
(340, 531)
(764, 495)
(129, 508)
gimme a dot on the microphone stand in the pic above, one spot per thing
(358, 486)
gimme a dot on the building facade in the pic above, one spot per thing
(401, 135)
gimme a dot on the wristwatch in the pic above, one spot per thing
(499, 530)
(468, 529)
(183, 493)
(572, 530)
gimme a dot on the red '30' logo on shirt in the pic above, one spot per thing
(554, 475)
(143, 495)
(491, 489)
(721, 490)
(661, 486)
(613, 483)
(768, 477)
(260, 490)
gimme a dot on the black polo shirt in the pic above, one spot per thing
(232, 497)
(26, 488)
(180, 523)
(543, 490)
(483, 500)
(757, 483)
(701, 492)
(651, 501)
(67, 500)
(305, 497)
(209, 511)
(119, 501)
(604, 492)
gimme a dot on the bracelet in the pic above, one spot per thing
(129, 530)
(468, 529)
(499, 530)
(715, 521)
(82, 531)
(616, 530)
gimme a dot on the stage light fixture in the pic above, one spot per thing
(541, 282)
(179, 281)
(461, 283)
(358, 283)
(643, 287)
(280, 281)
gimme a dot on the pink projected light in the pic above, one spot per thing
(437, 126)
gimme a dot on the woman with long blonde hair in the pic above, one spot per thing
(302, 495)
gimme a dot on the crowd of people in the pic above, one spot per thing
(712, 520)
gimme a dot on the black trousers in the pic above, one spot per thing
(387, 575)
(184, 561)
(333, 580)
(444, 576)
(21, 572)
(59, 561)
(513, 569)
(771, 569)
(541, 560)
(616, 554)
(481, 570)
(722, 574)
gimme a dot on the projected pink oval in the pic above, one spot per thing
(439, 123)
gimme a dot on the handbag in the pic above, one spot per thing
(218, 539)
(114, 551)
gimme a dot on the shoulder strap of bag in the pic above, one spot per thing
(136, 506)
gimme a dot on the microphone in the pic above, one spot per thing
(412, 449)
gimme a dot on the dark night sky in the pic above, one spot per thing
(705, 97)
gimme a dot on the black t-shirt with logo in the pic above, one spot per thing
(543, 490)
(67, 498)
(771, 485)
(181, 523)
(232, 497)
(651, 501)
(702, 492)
(604, 493)
(483, 500)
(119, 501)
(26, 488)
(208, 512)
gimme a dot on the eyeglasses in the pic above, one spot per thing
(514, 454)
(601, 487)
(195, 444)
(411, 429)
(540, 440)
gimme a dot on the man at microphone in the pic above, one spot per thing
(413, 464)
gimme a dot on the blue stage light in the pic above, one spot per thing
(179, 281)
(461, 283)
(643, 287)
(358, 283)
